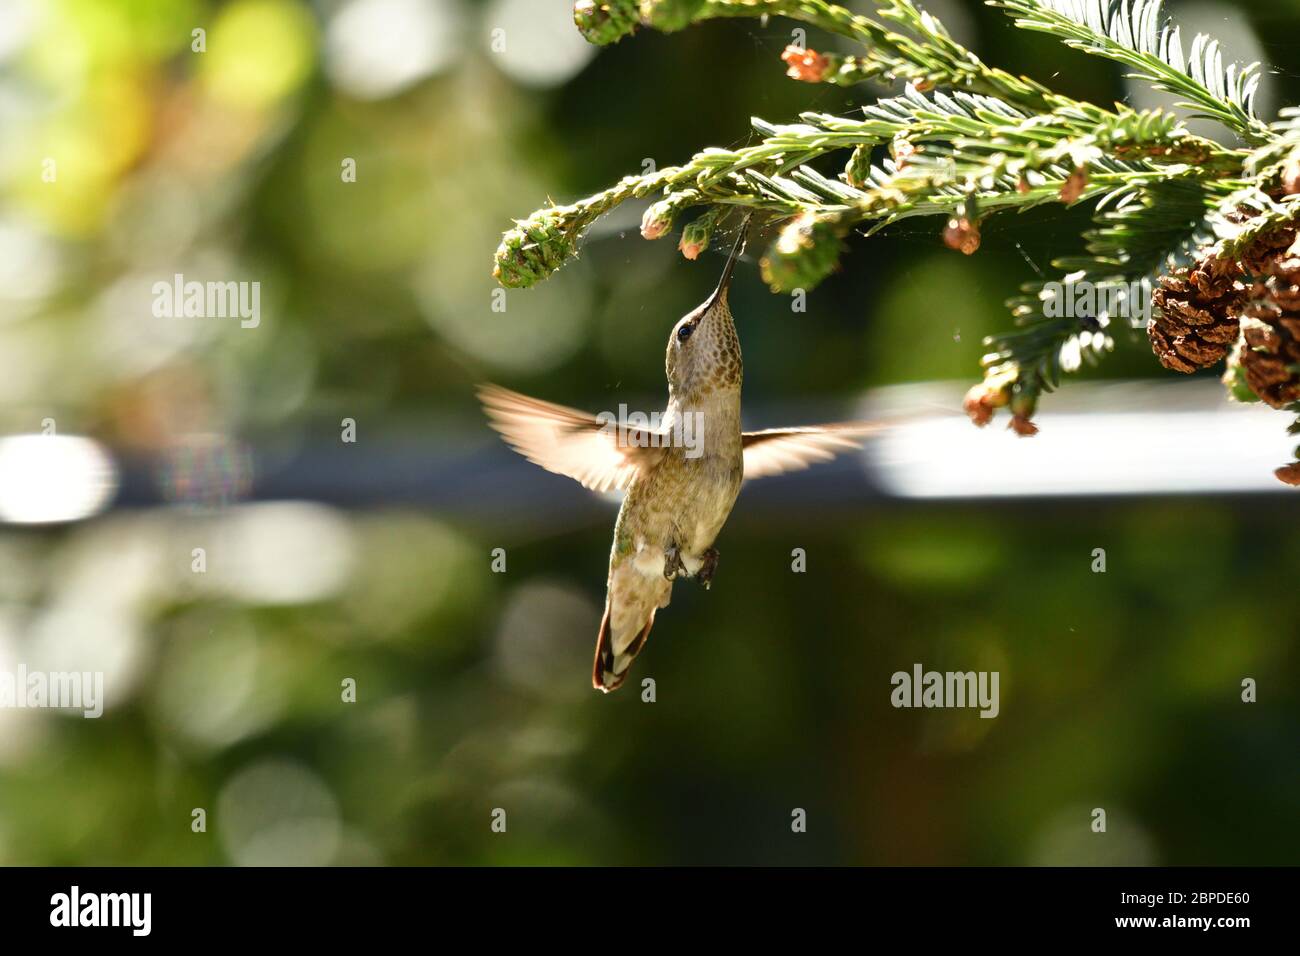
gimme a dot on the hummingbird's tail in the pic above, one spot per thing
(615, 652)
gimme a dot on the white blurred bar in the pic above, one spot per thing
(1111, 438)
(46, 479)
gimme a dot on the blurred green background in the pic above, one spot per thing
(372, 560)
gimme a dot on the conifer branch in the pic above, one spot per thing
(1138, 233)
(916, 48)
(1180, 219)
(1135, 33)
(966, 146)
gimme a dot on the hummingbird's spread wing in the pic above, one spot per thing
(777, 450)
(599, 455)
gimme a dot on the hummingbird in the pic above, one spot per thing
(679, 494)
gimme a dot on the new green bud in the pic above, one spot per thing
(534, 249)
(858, 169)
(658, 219)
(669, 15)
(698, 232)
(1024, 401)
(806, 252)
(603, 22)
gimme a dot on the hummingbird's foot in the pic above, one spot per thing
(673, 562)
(707, 567)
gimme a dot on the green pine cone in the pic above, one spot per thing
(534, 249)
(807, 251)
(603, 22)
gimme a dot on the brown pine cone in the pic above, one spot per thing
(1266, 249)
(1270, 354)
(1197, 315)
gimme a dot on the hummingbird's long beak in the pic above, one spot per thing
(720, 293)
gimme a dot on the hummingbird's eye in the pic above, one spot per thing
(684, 332)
